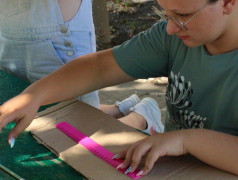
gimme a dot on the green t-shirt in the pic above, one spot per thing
(202, 89)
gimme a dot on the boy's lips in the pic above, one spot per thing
(183, 37)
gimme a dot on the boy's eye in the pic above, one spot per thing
(183, 15)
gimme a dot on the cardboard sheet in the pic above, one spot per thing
(115, 137)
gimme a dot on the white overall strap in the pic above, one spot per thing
(83, 20)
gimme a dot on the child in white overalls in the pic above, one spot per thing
(38, 36)
(35, 40)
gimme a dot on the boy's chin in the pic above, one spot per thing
(191, 43)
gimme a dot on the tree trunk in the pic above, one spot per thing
(101, 22)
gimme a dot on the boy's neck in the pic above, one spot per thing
(227, 42)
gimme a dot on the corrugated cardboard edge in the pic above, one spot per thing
(56, 107)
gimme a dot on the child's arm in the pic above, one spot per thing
(217, 149)
(80, 76)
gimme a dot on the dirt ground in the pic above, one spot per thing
(129, 17)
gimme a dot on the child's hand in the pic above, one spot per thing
(157, 145)
(21, 109)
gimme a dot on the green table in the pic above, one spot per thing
(28, 159)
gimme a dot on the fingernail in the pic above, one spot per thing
(140, 173)
(128, 170)
(119, 166)
(115, 156)
(12, 141)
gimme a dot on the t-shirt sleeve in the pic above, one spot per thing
(145, 55)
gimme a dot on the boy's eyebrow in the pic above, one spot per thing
(180, 12)
(176, 11)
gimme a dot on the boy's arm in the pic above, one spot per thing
(215, 148)
(80, 76)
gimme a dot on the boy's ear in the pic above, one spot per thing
(228, 6)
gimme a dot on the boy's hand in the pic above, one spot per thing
(21, 109)
(155, 146)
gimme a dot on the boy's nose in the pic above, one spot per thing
(172, 28)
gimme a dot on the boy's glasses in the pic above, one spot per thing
(175, 20)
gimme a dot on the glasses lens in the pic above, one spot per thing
(178, 23)
(165, 17)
